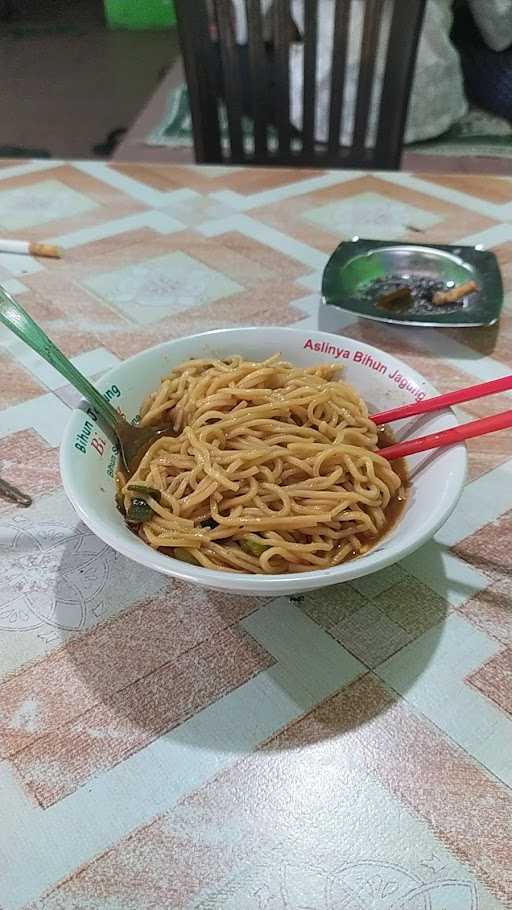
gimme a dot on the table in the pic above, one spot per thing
(163, 746)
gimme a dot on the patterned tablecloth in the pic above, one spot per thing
(164, 747)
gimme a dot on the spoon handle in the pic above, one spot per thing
(18, 321)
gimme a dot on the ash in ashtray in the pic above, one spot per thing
(409, 293)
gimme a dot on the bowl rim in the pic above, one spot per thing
(145, 555)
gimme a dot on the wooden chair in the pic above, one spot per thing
(206, 29)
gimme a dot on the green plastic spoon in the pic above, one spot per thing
(133, 441)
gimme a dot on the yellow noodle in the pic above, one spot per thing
(270, 468)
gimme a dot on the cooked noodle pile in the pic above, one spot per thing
(273, 468)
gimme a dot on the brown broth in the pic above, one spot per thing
(397, 504)
(386, 438)
(394, 509)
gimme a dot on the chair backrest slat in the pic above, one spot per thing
(281, 33)
(196, 48)
(310, 40)
(369, 48)
(266, 98)
(231, 77)
(338, 71)
(259, 75)
(398, 76)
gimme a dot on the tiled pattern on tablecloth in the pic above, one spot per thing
(165, 746)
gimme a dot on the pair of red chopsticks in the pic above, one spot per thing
(456, 434)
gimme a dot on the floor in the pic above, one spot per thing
(133, 146)
(68, 81)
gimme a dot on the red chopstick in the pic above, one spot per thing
(444, 401)
(449, 437)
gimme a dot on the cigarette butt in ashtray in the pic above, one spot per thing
(455, 294)
(47, 250)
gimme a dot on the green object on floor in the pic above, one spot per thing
(140, 14)
(477, 134)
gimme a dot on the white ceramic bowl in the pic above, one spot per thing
(88, 459)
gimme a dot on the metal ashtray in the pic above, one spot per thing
(360, 272)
